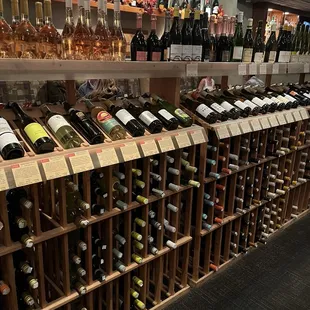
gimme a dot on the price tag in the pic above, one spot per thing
(297, 116)
(4, 185)
(275, 69)
(149, 147)
(80, 161)
(197, 136)
(26, 173)
(253, 69)
(264, 123)
(222, 132)
(107, 157)
(306, 68)
(255, 125)
(54, 167)
(263, 69)
(242, 69)
(245, 126)
(281, 119)
(130, 151)
(182, 139)
(165, 144)
(273, 121)
(192, 69)
(304, 114)
(289, 117)
(234, 130)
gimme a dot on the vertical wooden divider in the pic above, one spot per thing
(5, 219)
(62, 201)
(38, 254)
(166, 88)
(65, 264)
(71, 92)
(36, 209)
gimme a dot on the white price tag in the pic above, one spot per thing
(222, 132)
(289, 117)
(129, 151)
(245, 126)
(281, 119)
(149, 147)
(26, 173)
(275, 69)
(165, 144)
(80, 161)
(192, 69)
(54, 167)
(234, 130)
(182, 139)
(107, 157)
(197, 136)
(306, 68)
(273, 121)
(4, 185)
(263, 69)
(242, 69)
(255, 125)
(297, 116)
(304, 113)
(253, 69)
(264, 123)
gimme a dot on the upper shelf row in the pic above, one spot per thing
(31, 70)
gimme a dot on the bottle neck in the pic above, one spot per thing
(39, 22)
(117, 19)
(81, 14)
(25, 17)
(212, 31)
(87, 18)
(232, 29)
(139, 23)
(69, 15)
(48, 20)
(224, 28)
(219, 28)
(18, 111)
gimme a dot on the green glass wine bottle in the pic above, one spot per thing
(271, 46)
(296, 44)
(248, 43)
(238, 40)
(259, 45)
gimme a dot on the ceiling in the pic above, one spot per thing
(302, 5)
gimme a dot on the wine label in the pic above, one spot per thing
(276, 100)
(226, 56)
(176, 52)
(272, 56)
(187, 51)
(197, 52)
(156, 56)
(237, 53)
(226, 105)
(165, 114)
(216, 107)
(7, 135)
(166, 53)
(147, 118)
(241, 105)
(106, 121)
(35, 131)
(203, 110)
(57, 121)
(124, 116)
(250, 104)
(295, 57)
(258, 102)
(212, 55)
(258, 57)
(141, 56)
(181, 114)
(267, 100)
(289, 98)
(281, 98)
(247, 54)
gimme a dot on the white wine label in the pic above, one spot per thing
(306, 94)
(237, 53)
(281, 98)
(297, 116)
(107, 157)
(234, 130)
(7, 135)
(258, 57)
(276, 100)
(4, 185)
(289, 117)
(247, 54)
(282, 56)
(80, 161)
(250, 104)
(182, 139)
(165, 144)
(203, 110)
(226, 105)
(176, 52)
(149, 147)
(216, 107)
(54, 167)
(197, 52)
(258, 102)
(124, 116)
(272, 56)
(165, 114)
(130, 151)
(26, 173)
(241, 105)
(290, 97)
(56, 122)
(187, 51)
(281, 119)
(147, 118)
(222, 132)
(267, 100)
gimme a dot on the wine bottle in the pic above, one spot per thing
(248, 43)
(85, 126)
(282, 53)
(18, 197)
(175, 41)
(35, 133)
(223, 44)
(197, 38)
(62, 130)
(119, 110)
(154, 48)
(205, 56)
(296, 44)
(165, 38)
(187, 47)
(271, 46)
(138, 48)
(10, 147)
(167, 119)
(213, 43)
(259, 45)
(184, 119)
(238, 40)
(219, 28)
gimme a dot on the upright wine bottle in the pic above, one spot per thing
(138, 48)
(219, 27)
(153, 44)
(105, 120)
(282, 46)
(62, 130)
(304, 46)
(85, 126)
(175, 38)
(271, 46)
(197, 38)
(205, 56)
(212, 39)
(223, 44)
(165, 39)
(35, 133)
(301, 43)
(187, 47)
(259, 45)
(248, 43)
(231, 33)
(238, 40)
(296, 44)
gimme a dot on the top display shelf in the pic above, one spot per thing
(39, 69)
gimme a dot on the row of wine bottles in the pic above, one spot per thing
(221, 105)
(113, 118)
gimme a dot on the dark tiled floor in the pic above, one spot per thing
(274, 276)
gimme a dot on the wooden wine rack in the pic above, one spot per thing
(170, 272)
